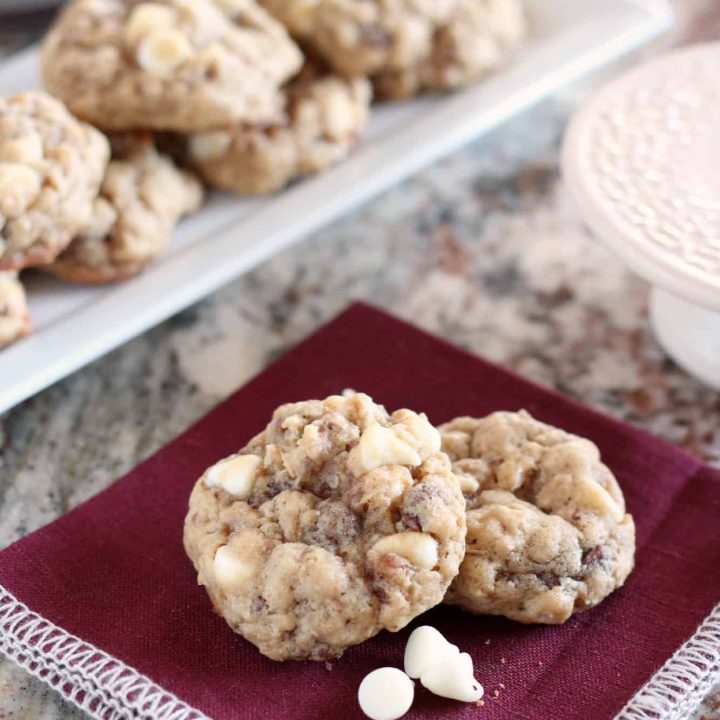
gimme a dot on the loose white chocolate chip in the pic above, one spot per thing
(26, 149)
(162, 50)
(425, 647)
(146, 18)
(235, 475)
(19, 185)
(230, 569)
(386, 694)
(420, 549)
(453, 679)
(381, 446)
(209, 145)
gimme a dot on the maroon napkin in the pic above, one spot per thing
(113, 572)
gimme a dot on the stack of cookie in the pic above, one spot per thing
(150, 95)
(340, 520)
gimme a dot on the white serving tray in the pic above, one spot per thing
(74, 325)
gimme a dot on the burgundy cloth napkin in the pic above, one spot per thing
(113, 571)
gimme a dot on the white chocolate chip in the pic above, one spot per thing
(453, 679)
(235, 475)
(145, 18)
(26, 149)
(420, 549)
(230, 569)
(209, 145)
(425, 647)
(416, 430)
(337, 115)
(427, 434)
(597, 498)
(386, 694)
(231, 8)
(468, 484)
(19, 185)
(162, 50)
(381, 446)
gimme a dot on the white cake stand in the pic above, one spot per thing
(642, 159)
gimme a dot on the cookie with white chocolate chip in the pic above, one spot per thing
(477, 39)
(179, 65)
(407, 46)
(547, 530)
(51, 166)
(364, 37)
(324, 118)
(142, 196)
(334, 523)
(14, 316)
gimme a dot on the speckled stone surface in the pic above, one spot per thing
(484, 248)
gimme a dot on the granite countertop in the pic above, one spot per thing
(485, 249)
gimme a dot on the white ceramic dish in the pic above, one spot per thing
(74, 325)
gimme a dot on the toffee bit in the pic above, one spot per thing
(503, 660)
(501, 686)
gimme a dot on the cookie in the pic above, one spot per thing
(51, 166)
(548, 534)
(14, 316)
(364, 37)
(168, 64)
(324, 118)
(407, 46)
(142, 197)
(476, 40)
(334, 523)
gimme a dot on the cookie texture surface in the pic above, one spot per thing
(363, 37)
(51, 166)
(407, 46)
(335, 522)
(14, 316)
(324, 116)
(142, 197)
(547, 534)
(180, 65)
(474, 41)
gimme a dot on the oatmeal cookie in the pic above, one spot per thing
(179, 65)
(406, 46)
(335, 522)
(363, 37)
(51, 166)
(548, 535)
(14, 316)
(324, 118)
(476, 40)
(142, 197)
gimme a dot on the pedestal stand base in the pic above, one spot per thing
(689, 334)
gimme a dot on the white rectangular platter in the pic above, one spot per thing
(74, 324)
